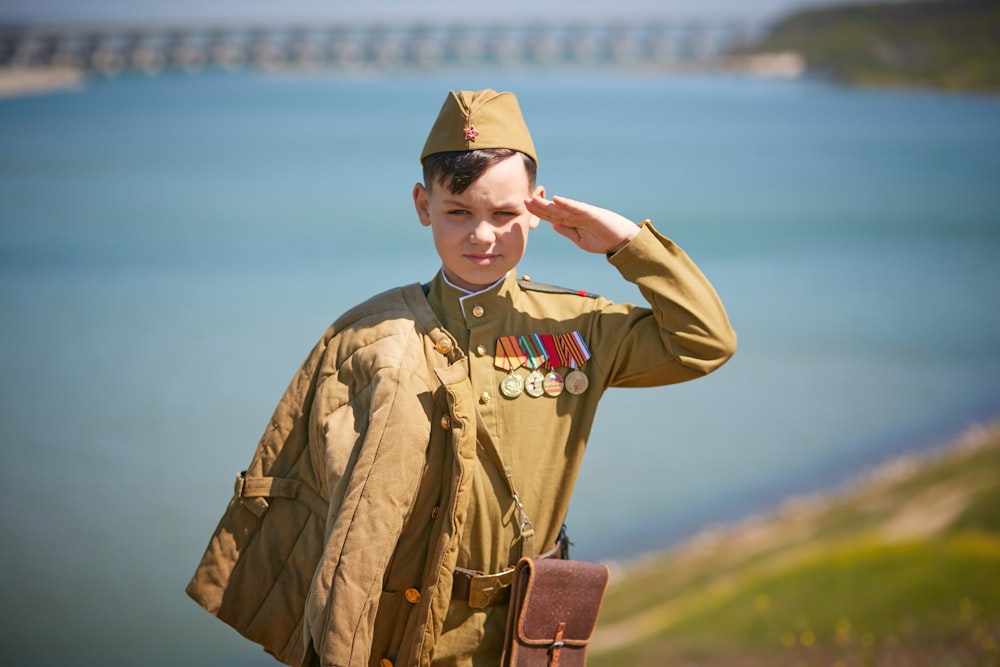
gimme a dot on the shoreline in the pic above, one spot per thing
(762, 586)
(913, 441)
(18, 82)
(797, 509)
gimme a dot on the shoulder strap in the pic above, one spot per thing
(527, 284)
(526, 527)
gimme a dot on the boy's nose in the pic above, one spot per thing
(482, 233)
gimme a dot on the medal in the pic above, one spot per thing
(573, 349)
(576, 382)
(512, 385)
(509, 357)
(534, 384)
(552, 385)
(543, 355)
(534, 359)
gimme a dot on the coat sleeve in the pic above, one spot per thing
(297, 561)
(374, 447)
(683, 334)
(243, 579)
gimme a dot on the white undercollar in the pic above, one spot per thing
(467, 293)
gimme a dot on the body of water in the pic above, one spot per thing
(172, 247)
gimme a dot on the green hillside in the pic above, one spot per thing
(952, 44)
(901, 569)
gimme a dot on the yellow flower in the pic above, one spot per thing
(843, 632)
(966, 609)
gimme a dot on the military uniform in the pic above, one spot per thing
(413, 445)
(685, 334)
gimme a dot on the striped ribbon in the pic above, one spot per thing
(510, 351)
(533, 350)
(567, 349)
(501, 359)
(576, 351)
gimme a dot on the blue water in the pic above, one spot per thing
(172, 247)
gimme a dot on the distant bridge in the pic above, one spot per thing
(114, 49)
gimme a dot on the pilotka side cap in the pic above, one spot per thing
(470, 120)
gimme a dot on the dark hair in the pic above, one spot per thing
(459, 169)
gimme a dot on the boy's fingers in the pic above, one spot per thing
(562, 230)
(547, 210)
(570, 204)
(562, 210)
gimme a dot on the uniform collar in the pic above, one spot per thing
(460, 310)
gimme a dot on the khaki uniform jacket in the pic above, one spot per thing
(338, 546)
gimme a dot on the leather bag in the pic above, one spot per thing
(553, 612)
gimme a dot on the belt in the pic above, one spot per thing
(487, 590)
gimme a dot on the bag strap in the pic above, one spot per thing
(525, 525)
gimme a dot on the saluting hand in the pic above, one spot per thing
(592, 228)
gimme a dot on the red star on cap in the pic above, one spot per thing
(471, 133)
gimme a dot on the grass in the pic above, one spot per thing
(902, 568)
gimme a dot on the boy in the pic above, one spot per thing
(433, 435)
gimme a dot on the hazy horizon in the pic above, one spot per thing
(13, 11)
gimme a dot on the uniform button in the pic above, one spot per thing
(385, 662)
(443, 346)
(446, 422)
(478, 311)
(412, 595)
(485, 397)
(481, 350)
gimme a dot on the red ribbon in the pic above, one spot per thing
(552, 350)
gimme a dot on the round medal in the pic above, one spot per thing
(553, 384)
(577, 382)
(512, 385)
(533, 384)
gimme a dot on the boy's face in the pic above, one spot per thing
(481, 233)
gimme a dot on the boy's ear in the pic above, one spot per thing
(422, 202)
(538, 192)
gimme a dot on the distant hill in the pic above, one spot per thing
(951, 44)
(900, 568)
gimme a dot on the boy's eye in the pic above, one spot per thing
(457, 211)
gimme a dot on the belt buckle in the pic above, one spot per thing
(486, 590)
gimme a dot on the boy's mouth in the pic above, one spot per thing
(481, 258)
